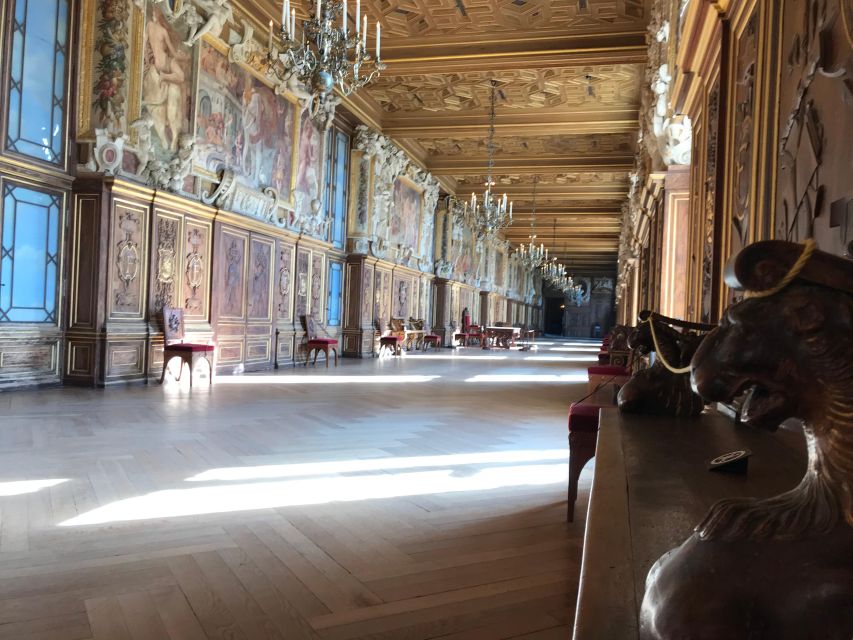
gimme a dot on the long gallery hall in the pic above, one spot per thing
(426, 319)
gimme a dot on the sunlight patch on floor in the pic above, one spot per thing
(529, 377)
(322, 379)
(22, 487)
(376, 464)
(285, 493)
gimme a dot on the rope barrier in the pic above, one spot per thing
(659, 353)
(808, 250)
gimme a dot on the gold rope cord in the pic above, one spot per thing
(808, 249)
(660, 353)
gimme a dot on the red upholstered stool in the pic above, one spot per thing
(460, 339)
(432, 340)
(601, 380)
(395, 343)
(317, 343)
(583, 434)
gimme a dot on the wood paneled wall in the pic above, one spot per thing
(768, 86)
(241, 283)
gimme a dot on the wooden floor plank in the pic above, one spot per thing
(431, 555)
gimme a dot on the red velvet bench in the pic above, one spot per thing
(605, 374)
(583, 434)
(432, 340)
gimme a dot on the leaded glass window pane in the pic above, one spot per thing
(341, 183)
(333, 315)
(29, 254)
(39, 33)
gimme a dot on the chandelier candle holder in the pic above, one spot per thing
(326, 54)
(532, 256)
(490, 214)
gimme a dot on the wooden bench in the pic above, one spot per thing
(650, 488)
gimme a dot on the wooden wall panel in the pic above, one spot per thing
(259, 331)
(303, 266)
(284, 281)
(127, 261)
(196, 270)
(165, 261)
(230, 270)
(318, 286)
(814, 189)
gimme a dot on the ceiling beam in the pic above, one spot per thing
(516, 51)
(529, 165)
(521, 122)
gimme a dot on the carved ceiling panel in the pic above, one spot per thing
(425, 18)
(567, 88)
(521, 145)
(588, 178)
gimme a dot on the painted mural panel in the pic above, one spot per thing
(310, 164)
(196, 269)
(317, 271)
(241, 124)
(302, 264)
(167, 81)
(285, 281)
(260, 260)
(233, 253)
(406, 213)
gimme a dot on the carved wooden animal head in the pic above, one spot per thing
(793, 350)
(640, 339)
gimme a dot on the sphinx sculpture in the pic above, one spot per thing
(782, 567)
(659, 390)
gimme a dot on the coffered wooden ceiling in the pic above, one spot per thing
(568, 74)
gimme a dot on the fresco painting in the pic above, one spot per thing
(406, 214)
(242, 125)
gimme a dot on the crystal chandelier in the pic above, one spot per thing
(491, 214)
(327, 54)
(532, 256)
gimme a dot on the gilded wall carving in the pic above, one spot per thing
(128, 261)
(167, 262)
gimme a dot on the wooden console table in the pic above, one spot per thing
(504, 337)
(650, 488)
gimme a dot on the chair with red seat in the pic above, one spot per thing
(431, 339)
(316, 342)
(175, 347)
(583, 435)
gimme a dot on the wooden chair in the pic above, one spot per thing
(175, 347)
(394, 337)
(317, 343)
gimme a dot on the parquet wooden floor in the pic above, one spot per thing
(403, 499)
